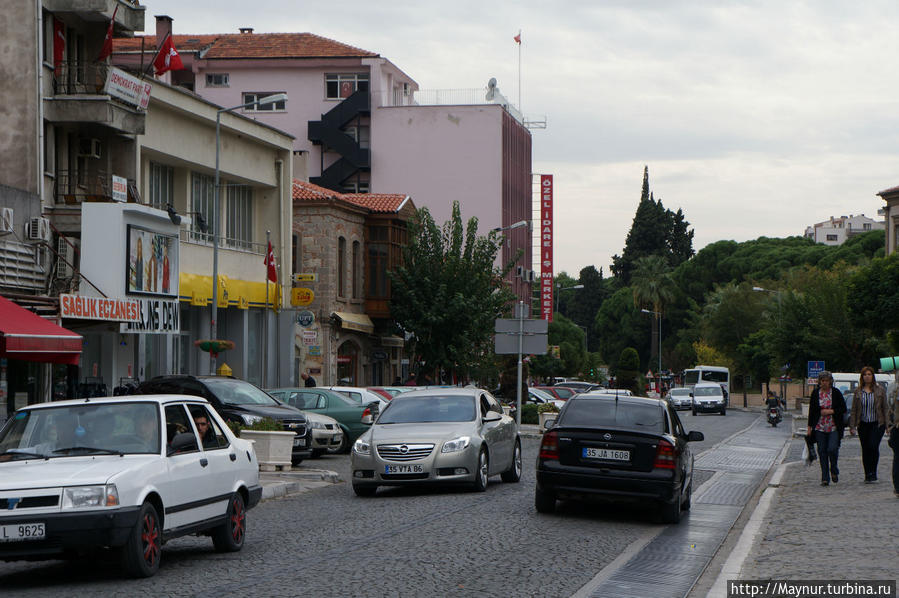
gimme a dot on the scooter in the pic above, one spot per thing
(774, 416)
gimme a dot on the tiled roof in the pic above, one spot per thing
(889, 191)
(250, 45)
(385, 203)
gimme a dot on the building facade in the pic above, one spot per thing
(837, 231)
(891, 218)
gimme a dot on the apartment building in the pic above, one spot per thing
(836, 230)
(891, 218)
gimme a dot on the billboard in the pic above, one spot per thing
(152, 267)
(546, 247)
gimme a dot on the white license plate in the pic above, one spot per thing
(299, 442)
(610, 454)
(393, 469)
(22, 531)
(336, 437)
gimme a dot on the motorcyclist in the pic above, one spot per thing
(773, 401)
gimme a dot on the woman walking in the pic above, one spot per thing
(870, 417)
(825, 421)
(894, 442)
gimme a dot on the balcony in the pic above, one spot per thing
(129, 18)
(75, 187)
(78, 97)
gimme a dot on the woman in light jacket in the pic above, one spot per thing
(870, 417)
(825, 421)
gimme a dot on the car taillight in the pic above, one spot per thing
(549, 447)
(666, 456)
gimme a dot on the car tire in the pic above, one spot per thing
(365, 491)
(143, 549)
(671, 511)
(345, 444)
(482, 471)
(295, 461)
(514, 472)
(694, 412)
(317, 453)
(544, 502)
(688, 498)
(230, 536)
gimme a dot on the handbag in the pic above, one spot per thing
(812, 451)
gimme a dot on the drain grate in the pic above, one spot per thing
(737, 458)
(731, 489)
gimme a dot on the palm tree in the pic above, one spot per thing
(653, 288)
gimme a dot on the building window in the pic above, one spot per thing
(377, 261)
(866, 226)
(360, 134)
(339, 86)
(354, 187)
(255, 96)
(356, 269)
(217, 80)
(831, 237)
(162, 185)
(295, 254)
(341, 266)
(239, 221)
(201, 202)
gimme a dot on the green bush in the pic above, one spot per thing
(529, 414)
(547, 408)
(266, 424)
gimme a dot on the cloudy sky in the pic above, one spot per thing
(754, 117)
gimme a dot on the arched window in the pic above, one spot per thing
(347, 360)
(356, 251)
(341, 267)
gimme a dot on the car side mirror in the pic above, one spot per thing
(695, 436)
(182, 443)
(492, 416)
(549, 423)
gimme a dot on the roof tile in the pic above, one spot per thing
(386, 203)
(250, 45)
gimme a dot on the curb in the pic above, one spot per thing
(277, 485)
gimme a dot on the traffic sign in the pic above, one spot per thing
(815, 368)
(305, 277)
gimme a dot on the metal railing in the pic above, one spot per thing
(450, 97)
(79, 78)
(73, 187)
(195, 237)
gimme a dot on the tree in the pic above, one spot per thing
(447, 293)
(652, 287)
(585, 303)
(628, 370)
(572, 357)
(618, 325)
(563, 301)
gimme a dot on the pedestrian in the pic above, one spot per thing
(893, 439)
(411, 381)
(308, 380)
(870, 417)
(825, 421)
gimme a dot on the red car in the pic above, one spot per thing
(560, 392)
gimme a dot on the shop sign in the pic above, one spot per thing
(310, 337)
(315, 350)
(127, 88)
(119, 188)
(305, 318)
(305, 277)
(156, 316)
(301, 296)
(109, 309)
(546, 247)
(379, 355)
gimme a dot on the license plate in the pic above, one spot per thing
(610, 454)
(299, 442)
(22, 531)
(336, 437)
(393, 469)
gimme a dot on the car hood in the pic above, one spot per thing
(272, 411)
(65, 471)
(420, 432)
(318, 417)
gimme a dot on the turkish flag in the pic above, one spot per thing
(517, 38)
(270, 264)
(168, 58)
(59, 44)
(107, 42)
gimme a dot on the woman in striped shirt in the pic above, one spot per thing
(869, 416)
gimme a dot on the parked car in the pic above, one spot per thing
(360, 395)
(345, 410)
(441, 435)
(578, 386)
(535, 396)
(124, 473)
(680, 398)
(326, 433)
(709, 397)
(560, 392)
(629, 449)
(388, 392)
(238, 401)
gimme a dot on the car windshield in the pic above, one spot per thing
(238, 392)
(611, 413)
(680, 392)
(432, 408)
(71, 430)
(707, 391)
(542, 394)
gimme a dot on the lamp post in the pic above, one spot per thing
(658, 316)
(778, 295)
(560, 288)
(213, 324)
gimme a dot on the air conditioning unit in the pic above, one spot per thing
(519, 271)
(6, 220)
(37, 229)
(532, 276)
(89, 148)
(40, 257)
(64, 258)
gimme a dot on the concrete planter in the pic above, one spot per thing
(507, 409)
(272, 448)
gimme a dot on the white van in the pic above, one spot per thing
(847, 382)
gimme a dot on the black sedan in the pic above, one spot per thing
(628, 449)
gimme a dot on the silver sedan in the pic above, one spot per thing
(440, 435)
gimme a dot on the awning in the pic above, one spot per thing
(27, 336)
(357, 322)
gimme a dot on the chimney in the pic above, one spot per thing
(163, 29)
(246, 30)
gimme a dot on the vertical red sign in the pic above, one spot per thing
(546, 246)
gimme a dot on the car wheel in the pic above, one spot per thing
(671, 511)
(229, 536)
(514, 472)
(296, 461)
(143, 549)
(544, 502)
(694, 412)
(480, 478)
(316, 453)
(365, 491)
(688, 500)
(345, 444)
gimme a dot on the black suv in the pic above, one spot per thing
(238, 401)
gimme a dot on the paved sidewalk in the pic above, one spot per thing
(846, 531)
(295, 481)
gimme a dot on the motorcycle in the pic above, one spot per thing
(774, 416)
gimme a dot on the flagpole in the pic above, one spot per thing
(520, 109)
(155, 55)
(268, 238)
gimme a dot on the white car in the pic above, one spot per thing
(680, 398)
(126, 473)
(363, 396)
(326, 433)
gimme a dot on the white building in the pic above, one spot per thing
(836, 231)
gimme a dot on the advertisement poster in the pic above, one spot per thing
(152, 263)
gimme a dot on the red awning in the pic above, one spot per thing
(27, 336)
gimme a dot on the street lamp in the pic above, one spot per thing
(213, 324)
(559, 290)
(777, 294)
(659, 375)
(518, 224)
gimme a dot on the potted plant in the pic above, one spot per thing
(272, 444)
(546, 411)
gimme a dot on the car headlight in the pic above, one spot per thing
(361, 447)
(318, 426)
(456, 444)
(250, 419)
(79, 497)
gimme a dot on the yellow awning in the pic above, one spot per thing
(357, 322)
(233, 292)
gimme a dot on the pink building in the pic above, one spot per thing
(362, 125)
